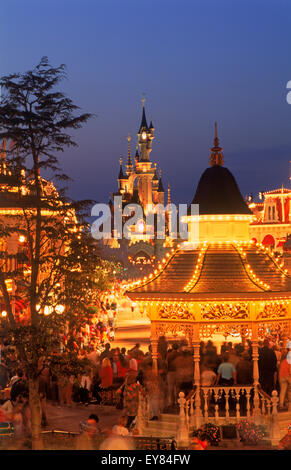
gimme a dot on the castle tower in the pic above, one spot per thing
(122, 179)
(144, 170)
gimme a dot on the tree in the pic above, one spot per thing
(59, 274)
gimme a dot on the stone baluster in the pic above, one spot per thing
(198, 412)
(269, 406)
(216, 407)
(227, 393)
(205, 401)
(275, 428)
(256, 407)
(183, 431)
(237, 405)
(248, 396)
(192, 411)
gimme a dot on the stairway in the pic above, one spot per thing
(284, 419)
(166, 426)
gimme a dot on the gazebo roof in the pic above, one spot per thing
(218, 193)
(214, 271)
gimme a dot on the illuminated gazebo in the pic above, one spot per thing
(224, 284)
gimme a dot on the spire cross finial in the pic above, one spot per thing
(143, 99)
(120, 160)
(128, 145)
(160, 172)
(215, 129)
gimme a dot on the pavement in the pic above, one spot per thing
(68, 418)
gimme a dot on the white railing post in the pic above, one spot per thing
(192, 412)
(198, 412)
(183, 430)
(248, 396)
(275, 428)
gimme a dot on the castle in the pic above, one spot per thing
(140, 183)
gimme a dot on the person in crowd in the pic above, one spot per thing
(226, 373)
(285, 381)
(172, 374)
(278, 353)
(85, 387)
(122, 367)
(244, 370)
(96, 389)
(106, 353)
(132, 362)
(4, 375)
(163, 347)
(134, 351)
(184, 365)
(106, 374)
(285, 442)
(19, 385)
(130, 390)
(120, 428)
(89, 431)
(26, 416)
(17, 420)
(267, 368)
(208, 376)
(152, 388)
(65, 389)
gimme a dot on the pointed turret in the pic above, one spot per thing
(143, 124)
(169, 194)
(129, 166)
(216, 155)
(136, 157)
(3, 157)
(155, 178)
(161, 187)
(121, 175)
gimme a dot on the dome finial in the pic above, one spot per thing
(216, 155)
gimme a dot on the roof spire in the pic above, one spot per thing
(161, 187)
(144, 124)
(121, 175)
(155, 178)
(216, 155)
(129, 165)
(169, 194)
(3, 157)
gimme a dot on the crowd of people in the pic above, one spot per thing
(117, 376)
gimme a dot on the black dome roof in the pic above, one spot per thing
(218, 193)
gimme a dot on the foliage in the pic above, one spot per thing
(250, 432)
(208, 432)
(60, 265)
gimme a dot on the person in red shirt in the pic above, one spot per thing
(106, 374)
(285, 380)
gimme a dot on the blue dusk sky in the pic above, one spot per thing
(197, 61)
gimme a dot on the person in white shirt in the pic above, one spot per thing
(120, 428)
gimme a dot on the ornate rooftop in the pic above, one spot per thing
(216, 270)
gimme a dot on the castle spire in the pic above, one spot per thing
(169, 194)
(144, 124)
(129, 165)
(121, 175)
(216, 155)
(161, 187)
(3, 157)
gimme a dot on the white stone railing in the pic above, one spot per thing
(227, 404)
(220, 405)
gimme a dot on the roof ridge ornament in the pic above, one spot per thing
(216, 155)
